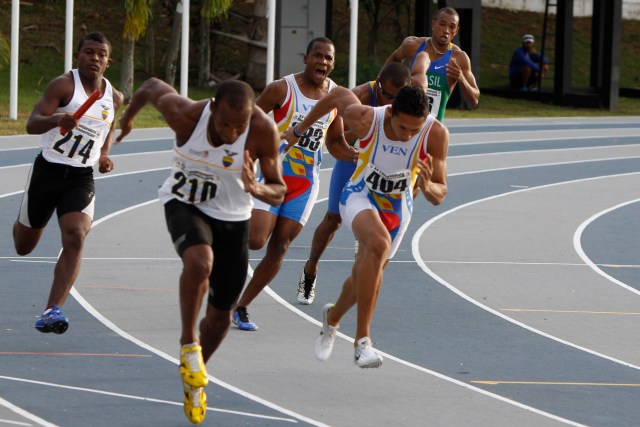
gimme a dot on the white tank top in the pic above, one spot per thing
(81, 146)
(386, 166)
(209, 177)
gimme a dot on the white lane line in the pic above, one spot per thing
(14, 423)
(109, 324)
(430, 261)
(422, 369)
(415, 245)
(125, 335)
(577, 244)
(536, 164)
(143, 398)
(557, 138)
(28, 415)
(115, 175)
(87, 306)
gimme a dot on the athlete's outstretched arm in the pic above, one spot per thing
(178, 111)
(419, 70)
(339, 98)
(262, 145)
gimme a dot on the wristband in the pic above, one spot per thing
(295, 131)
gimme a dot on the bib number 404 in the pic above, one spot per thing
(380, 184)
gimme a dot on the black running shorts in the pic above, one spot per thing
(54, 186)
(188, 226)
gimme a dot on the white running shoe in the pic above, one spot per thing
(324, 343)
(366, 356)
(306, 288)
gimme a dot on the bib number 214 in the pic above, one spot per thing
(84, 152)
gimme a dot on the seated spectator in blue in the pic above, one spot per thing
(527, 66)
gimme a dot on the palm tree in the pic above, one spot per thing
(136, 21)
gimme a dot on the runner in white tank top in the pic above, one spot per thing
(81, 146)
(209, 177)
(207, 202)
(61, 179)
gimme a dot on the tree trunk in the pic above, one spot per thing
(174, 46)
(373, 7)
(256, 69)
(151, 50)
(126, 72)
(204, 53)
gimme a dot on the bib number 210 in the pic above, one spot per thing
(198, 190)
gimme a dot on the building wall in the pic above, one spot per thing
(630, 8)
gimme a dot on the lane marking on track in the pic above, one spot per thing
(109, 324)
(499, 382)
(527, 310)
(47, 353)
(432, 261)
(125, 335)
(408, 364)
(514, 141)
(13, 423)
(415, 245)
(506, 168)
(143, 398)
(127, 288)
(577, 244)
(87, 306)
(28, 415)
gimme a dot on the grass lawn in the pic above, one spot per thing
(41, 59)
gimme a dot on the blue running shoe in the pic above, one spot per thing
(53, 320)
(241, 320)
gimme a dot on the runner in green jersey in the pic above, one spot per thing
(449, 64)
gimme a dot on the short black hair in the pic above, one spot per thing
(237, 94)
(396, 73)
(96, 36)
(449, 11)
(411, 100)
(318, 40)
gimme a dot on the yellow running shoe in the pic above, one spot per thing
(192, 368)
(195, 403)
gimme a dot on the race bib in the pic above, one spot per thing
(378, 182)
(78, 143)
(193, 186)
(313, 137)
(435, 97)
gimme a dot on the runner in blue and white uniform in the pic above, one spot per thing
(400, 146)
(378, 92)
(290, 99)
